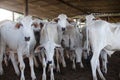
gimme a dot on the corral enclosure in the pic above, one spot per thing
(108, 10)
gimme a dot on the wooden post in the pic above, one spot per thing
(108, 18)
(26, 8)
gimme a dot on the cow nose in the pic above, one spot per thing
(49, 62)
(27, 38)
(63, 29)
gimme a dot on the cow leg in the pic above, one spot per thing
(41, 55)
(62, 57)
(57, 58)
(44, 69)
(78, 52)
(67, 53)
(35, 61)
(51, 74)
(40, 58)
(99, 71)
(73, 60)
(104, 62)
(94, 63)
(22, 65)
(73, 66)
(5, 60)
(85, 55)
(2, 49)
(31, 63)
(15, 63)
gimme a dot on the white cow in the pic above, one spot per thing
(11, 55)
(18, 37)
(101, 35)
(86, 55)
(59, 51)
(72, 40)
(48, 41)
(62, 22)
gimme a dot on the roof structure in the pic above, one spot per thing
(52, 8)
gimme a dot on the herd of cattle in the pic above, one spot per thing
(56, 40)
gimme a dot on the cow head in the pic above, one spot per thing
(25, 25)
(89, 19)
(38, 24)
(49, 50)
(63, 21)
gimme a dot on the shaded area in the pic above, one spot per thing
(67, 73)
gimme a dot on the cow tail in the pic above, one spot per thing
(0, 37)
(87, 36)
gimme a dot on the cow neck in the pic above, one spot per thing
(47, 33)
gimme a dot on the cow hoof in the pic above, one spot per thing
(22, 79)
(52, 78)
(44, 77)
(34, 79)
(64, 65)
(103, 79)
(81, 65)
(74, 67)
(58, 70)
(94, 78)
(18, 73)
(104, 70)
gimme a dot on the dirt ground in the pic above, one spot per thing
(68, 73)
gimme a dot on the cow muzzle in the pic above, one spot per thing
(27, 38)
(63, 29)
(49, 62)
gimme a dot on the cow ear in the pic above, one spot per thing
(18, 25)
(83, 20)
(70, 20)
(56, 19)
(38, 48)
(38, 25)
(35, 25)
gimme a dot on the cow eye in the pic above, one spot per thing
(21, 24)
